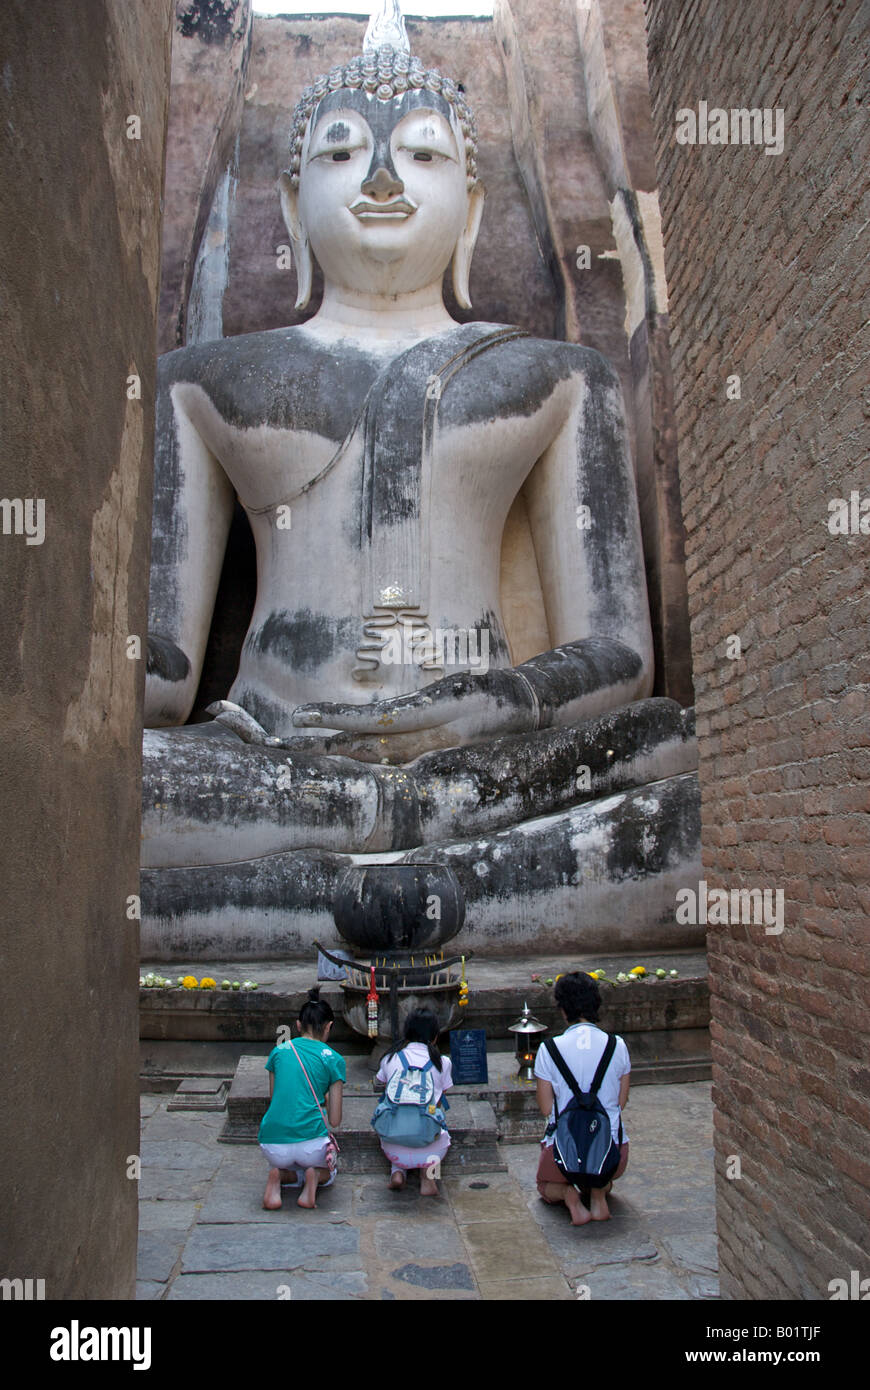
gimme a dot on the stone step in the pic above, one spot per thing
(473, 1127)
(658, 1057)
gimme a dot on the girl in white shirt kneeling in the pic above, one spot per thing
(419, 1046)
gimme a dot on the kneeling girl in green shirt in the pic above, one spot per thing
(306, 1078)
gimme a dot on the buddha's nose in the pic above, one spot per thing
(382, 184)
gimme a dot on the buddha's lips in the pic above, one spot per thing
(398, 207)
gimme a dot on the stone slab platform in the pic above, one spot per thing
(473, 1128)
(498, 989)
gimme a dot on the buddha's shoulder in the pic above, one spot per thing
(552, 359)
(273, 352)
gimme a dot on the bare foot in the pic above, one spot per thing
(308, 1194)
(397, 1180)
(579, 1215)
(428, 1186)
(272, 1195)
(600, 1209)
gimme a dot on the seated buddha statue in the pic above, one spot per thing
(378, 450)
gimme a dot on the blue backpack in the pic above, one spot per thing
(408, 1114)
(584, 1149)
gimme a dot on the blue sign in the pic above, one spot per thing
(468, 1056)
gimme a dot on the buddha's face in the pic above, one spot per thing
(382, 190)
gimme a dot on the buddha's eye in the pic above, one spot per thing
(423, 156)
(340, 154)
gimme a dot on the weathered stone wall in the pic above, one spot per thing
(768, 275)
(79, 264)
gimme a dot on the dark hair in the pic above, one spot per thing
(421, 1026)
(315, 1013)
(578, 996)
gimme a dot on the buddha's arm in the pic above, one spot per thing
(592, 576)
(583, 513)
(193, 505)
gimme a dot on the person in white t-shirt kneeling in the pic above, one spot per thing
(581, 1047)
(419, 1046)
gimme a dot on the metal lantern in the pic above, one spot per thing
(529, 1031)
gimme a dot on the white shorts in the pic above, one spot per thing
(402, 1158)
(305, 1153)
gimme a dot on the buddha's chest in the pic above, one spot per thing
(433, 455)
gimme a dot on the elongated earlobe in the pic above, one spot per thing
(302, 257)
(465, 246)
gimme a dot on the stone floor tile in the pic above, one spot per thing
(156, 1216)
(399, 1238)
(507, 1250)
(633, 1282)
(485, 1197)
(270, 1287)
(147, 1291)
(158, 1253)
(698, 1218)
(696, 1251)
(171, 1185)
(581, 1248)
(545, 1289)
(184, 1155)
(259, 1246)
(372, 1197)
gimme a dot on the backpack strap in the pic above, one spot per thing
(562, 1066)
(609, 1049)
(568, 1075)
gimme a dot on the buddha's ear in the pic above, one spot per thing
(465, 246)
(298, 239)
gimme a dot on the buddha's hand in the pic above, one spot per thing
(574, 681)
(461, 708)
(241, 723)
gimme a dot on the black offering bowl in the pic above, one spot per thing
(398, 907)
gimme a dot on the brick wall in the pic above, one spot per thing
(768, 275)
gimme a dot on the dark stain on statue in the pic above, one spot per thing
(164, 658)
(673, 827)
(210, 21)
(337, 134)
(303, 639)
(283, 378)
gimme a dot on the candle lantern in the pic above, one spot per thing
(528, 1031)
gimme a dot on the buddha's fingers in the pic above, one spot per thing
(240, 722)
(473, 703)
(405, 714)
